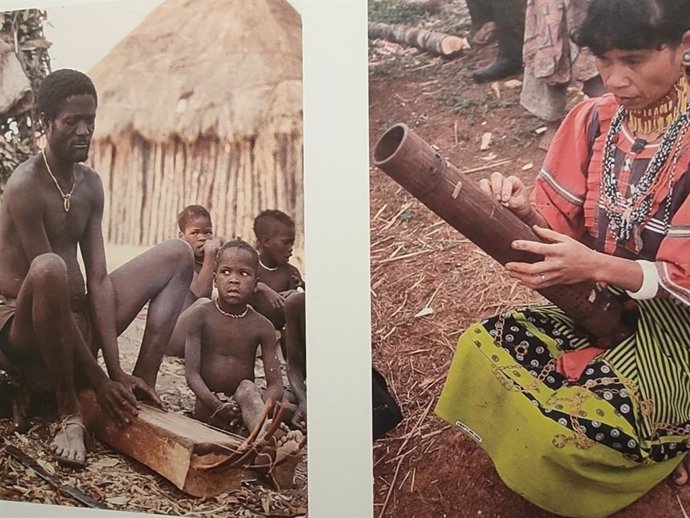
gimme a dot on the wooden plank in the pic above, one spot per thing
(176, 447)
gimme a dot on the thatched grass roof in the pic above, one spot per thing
(204, 68)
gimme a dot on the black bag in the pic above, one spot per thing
(386, 412)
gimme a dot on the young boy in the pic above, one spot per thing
(278, 279)
(222, 340)
(196, 228)
(280, 297)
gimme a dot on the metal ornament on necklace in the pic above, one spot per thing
(66, 198)
(231, 315)
(627, 214)
(267, 267)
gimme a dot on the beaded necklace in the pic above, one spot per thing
(268, 267)
(627, 214)
(231, 315)
(654, 119)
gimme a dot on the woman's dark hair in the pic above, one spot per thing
(633, 25)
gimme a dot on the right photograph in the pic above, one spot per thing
(530, 257)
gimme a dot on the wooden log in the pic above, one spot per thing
(430, 178)
(437, 43)
(178, 448)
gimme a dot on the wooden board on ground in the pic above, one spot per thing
(185, 451)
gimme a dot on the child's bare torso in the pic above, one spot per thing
(228, 348)
(285, 277)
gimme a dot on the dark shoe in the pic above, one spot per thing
(500, 69)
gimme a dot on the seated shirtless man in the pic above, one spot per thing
(222, 340)
(196, 228)
(51, 325)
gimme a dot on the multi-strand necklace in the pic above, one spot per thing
(231, 315)
(627, 214)
(66, 197)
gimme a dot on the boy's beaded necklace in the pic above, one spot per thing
(627, 214)
(231, 315)
(268, 267)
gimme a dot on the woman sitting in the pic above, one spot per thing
(577, 430)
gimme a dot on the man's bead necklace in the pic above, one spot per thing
(231, 315)
(66, 198)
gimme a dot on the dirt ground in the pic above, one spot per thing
(423, 468)
(123, 484)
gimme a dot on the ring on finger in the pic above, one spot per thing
(542, 277)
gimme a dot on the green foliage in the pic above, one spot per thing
(19, 134)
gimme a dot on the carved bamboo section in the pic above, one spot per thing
(429, 177)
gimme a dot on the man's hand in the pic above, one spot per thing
(139, 388)
(118, 401)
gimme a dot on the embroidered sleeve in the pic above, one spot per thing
(560, 188)
(673, 256)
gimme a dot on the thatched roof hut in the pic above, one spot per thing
(201, 103)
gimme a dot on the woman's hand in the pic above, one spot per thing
(566, 261)
(509, 192)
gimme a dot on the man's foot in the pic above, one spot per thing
(681, 474)
(68, 443)
(501, 68)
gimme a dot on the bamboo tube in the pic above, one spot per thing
(411, 162)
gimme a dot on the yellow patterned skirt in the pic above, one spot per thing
(585, 448)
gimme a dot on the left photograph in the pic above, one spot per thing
(152, 269)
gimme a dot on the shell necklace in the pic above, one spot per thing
(66, 198)
(231, 315)
(268, 267)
